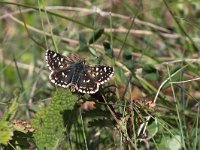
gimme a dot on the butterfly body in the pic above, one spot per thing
(74, 73)
(78, 70)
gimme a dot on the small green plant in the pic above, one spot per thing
(49, 124)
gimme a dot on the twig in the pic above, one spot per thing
(185, 81)
(21, 65)
(103, 13)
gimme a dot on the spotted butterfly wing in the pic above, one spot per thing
(87, 84)
(61, 77)
(100, 73)
(56, 61)
(72, 71)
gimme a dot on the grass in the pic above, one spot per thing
(151, 102)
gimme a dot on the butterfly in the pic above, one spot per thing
(73, 72)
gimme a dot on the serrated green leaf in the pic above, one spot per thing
(6, 132)
(12, 109)
(48, 122)
(6, 128)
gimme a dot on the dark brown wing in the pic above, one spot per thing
(100, 73)
(86, 84)
(56, 61)
(62, 77)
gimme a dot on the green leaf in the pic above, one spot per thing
(174, 143)
(175, 77)
(149, 72)
(119, 75)
(127, 55)
(97, 34)
(6, 132)
(48, 122)
(128, 60)
(6, 127)
(83, 46)
(107, 48)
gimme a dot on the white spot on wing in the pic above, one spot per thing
(54, 55)
(53, 81)
(64, 86)
(105, 69)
